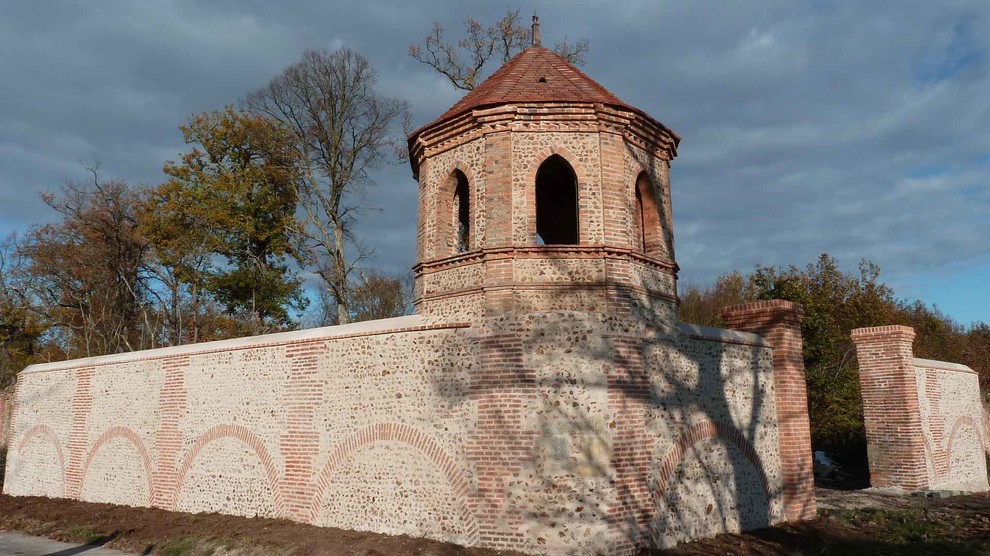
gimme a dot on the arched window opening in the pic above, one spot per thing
(462, 216)
(640, 221)
(556, 203)
(649, 233)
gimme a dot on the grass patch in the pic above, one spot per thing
(85, 535)
(178, 547)
(907, 531)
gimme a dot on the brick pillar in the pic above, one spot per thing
(300, 439)
(82, 403)
(501, 443)
(172, 404)
(779, 322)
(894, 437)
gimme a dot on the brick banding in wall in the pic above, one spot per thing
(78, 443)
(300, 443)
(129, 435)
(246, 437)
(703, 431)
(404, 434)
(942, 457)
(168, 438)
(45, 431)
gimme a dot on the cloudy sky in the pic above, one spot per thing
(857, 128)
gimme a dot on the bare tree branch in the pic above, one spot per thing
(463, 62)
(344, 128)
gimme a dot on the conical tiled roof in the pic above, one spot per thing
(536, 74)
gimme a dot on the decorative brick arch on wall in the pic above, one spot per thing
(46, 432)
(583, 180)
(405, 434)
(703, 431)
(127, 434)
(244, 435)
(650, 231)
(443, 210)
(941, 458)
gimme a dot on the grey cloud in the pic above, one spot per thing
(854, 128)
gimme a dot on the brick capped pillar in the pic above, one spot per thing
(779, 322)
(894, 441)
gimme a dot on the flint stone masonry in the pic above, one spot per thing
(544, 398)
(617, 438)
(924, 421)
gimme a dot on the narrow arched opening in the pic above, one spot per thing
(640, 221)
(453, 216)
(462, 214)
(649, 233)
(556, 203)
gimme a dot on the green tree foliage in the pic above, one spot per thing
(224, 222)
(21, 330)
(835, 303)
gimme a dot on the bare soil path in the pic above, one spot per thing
(18, 544)
(849, 522)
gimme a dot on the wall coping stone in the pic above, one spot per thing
(942, 365)
(409, 323)
(709, 333)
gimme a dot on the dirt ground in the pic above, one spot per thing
(154, 531)
(868, 522)
(850, 522)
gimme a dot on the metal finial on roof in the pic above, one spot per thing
(536, 29)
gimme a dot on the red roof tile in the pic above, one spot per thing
(536, 74)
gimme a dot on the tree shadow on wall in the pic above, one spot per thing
(578, 411)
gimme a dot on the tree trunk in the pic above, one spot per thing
(340, 275)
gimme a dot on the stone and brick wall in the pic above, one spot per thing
(924, 421)
(558, 431)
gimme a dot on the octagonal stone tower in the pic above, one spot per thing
(541, 189)
(596, 420)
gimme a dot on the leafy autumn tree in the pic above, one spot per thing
(703, 305)
(378, 297)
(343, 128)
(835, 303)
(976, 352)
(87, 274)
(21, 329)
(463, 62)
(374, 296)
(223, 223)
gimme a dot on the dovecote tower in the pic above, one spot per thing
(541, 190)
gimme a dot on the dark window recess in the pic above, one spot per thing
(556, 203)
(462, 204)
(640, 218)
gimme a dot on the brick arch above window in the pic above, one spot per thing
(454, 214)
(649, 231)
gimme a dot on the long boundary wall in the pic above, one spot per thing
(924, 421)
(560, 432)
